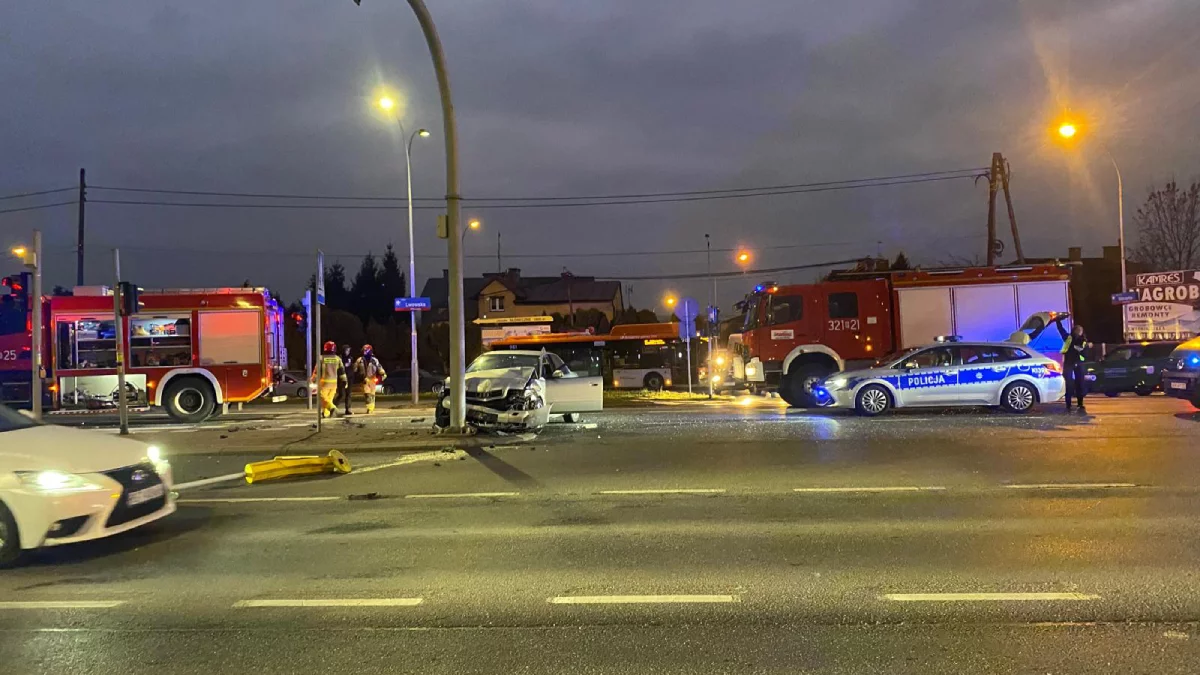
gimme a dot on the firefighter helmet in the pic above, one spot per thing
(329, 347)
(367, 349)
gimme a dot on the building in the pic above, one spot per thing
(510, 295)
(1093, 281)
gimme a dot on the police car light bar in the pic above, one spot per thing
(948, 338)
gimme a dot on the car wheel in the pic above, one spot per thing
(653, 382)
(573, 418)
(388, 389)
(302, 392)
(189, 399)
(1144, 390)
(1018, 397)
(872, 400)
(1112, 394)
(797, 385)
(10, 539)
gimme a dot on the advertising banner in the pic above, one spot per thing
(1167, 306)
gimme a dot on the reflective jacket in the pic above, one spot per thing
(330, 370)
(1073, 348)
(369, 369)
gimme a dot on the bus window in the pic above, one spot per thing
(582, 359)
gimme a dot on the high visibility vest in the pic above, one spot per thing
(330, 370)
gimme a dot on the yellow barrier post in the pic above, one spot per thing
(289, 466)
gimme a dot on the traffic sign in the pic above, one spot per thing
(320, 278)
(412, 304)
(687, 309)
(1124, 298)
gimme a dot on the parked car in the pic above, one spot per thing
(60, 485)
(1182, 376)
(399, 381)
(1136, 367)
(292, 384)
(948, 374)
(519, 390)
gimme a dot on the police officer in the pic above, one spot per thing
(1074, 347)
(329, 375)
(370, 371)
(348, 364)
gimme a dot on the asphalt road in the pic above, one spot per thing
(679, 540)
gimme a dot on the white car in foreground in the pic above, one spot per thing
(950, 373)
(61, 486)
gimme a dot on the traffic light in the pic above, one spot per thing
(129, 298)
(298, 319)
(17, 287)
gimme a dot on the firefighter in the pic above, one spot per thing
(330, 375)
(348, 364)
(368, 369)
(1074, 354)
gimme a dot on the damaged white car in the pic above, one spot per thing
(520, 390)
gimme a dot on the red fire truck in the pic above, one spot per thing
(793, 336)
(189, 351)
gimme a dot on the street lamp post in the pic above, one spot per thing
(1067, 131)
(458, 347)
(712, 302)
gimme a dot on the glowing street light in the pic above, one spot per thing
(743, 257)
(387, 103)
(474, 224)
(20, 251)
(670, 301)
(1067, 131)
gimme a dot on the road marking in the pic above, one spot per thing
(984, 597)
(890, 488)
(209, 481)
(641, 599)
(1067, 486)
(249, 500)
(343, 602)
(297, 425)
(62, 604)
(669, 491)
(431, 456)
(453, 495)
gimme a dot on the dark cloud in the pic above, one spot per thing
(590, 98)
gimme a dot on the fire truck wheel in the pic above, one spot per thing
(796, 388)
(189, 399)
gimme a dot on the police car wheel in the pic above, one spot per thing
(1018, 397)
(872, 400)
(1144, 390)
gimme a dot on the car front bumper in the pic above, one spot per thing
(828, 397)
(67, 517)
(490, 419)
(1182, 384)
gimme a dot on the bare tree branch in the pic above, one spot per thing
(1168, 227)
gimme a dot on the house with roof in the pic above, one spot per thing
(510, 295)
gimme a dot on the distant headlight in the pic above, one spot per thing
(155, 454)
(55, 481)
(836, 383)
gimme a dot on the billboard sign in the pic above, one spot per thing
(1167, 306)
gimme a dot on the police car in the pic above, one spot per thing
(948, 373)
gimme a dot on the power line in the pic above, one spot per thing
(739, 273)
(703, 197)
(970, 173)
(40, 206)
(34, 194)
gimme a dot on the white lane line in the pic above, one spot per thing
(641, 599)
(1068, 486)
(984, 597)
(336, 602)
(62, 604)
(455, 495)
(888, 488)
(298, 424)
(668, 491)
(209, 481)
(250, 500)
(433, 455)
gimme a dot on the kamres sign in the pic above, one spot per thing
(1167, 306)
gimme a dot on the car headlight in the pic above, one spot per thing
(155, 454)
(835, 383)
(751, 371)
(55, 481)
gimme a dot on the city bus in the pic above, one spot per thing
(632, 356)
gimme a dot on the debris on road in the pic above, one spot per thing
(289, 466)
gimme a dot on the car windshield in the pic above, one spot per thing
(11, 420)
(501, 360)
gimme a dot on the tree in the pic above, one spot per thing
(391, 282)
(365, 291)
(1168, 226)
(901, 262)
(336, 294)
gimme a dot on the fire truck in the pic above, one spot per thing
(795, 335)
(189, 351)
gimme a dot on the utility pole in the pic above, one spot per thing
(712, 303)
(1012, 216)
(499, 263)
(122, 403)
(35, 309)
(82, 211)
(993, 186)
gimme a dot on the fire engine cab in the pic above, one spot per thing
(793, 336)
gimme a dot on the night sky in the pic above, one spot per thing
(561, 98)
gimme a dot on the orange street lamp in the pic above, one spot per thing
(670, 301)
(743, 257)
(1067, 131)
